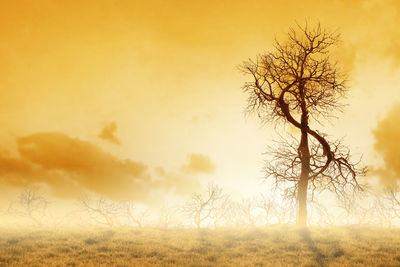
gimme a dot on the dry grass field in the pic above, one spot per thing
(268, 246)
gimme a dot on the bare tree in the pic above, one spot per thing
(383, 213)
(285, 211)
(267, 205)
(297, 84)
(30, 204)
(133, 215)
(200, 207)
(101, 210)
(247, 212)
(319, 214)
(276, 210)
(356, 209)
(225, 213)
(169, 217)
(393, 197)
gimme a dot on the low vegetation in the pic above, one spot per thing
(259, 246)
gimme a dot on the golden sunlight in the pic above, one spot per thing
(199, 133)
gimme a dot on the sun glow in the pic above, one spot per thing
(131, 113)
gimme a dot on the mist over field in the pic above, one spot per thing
(173, 133)
(265, 246)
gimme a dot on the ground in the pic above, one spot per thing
(265, 246)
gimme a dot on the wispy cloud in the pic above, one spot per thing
(70, 166)
(108, 133)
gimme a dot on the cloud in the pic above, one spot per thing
(70, 166)
(179, 182)
(108, 133)
(387, 144)
(13, 167)
(199, 163)
(84, 164)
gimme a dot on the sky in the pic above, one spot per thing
(142, 100)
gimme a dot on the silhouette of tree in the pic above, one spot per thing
(201, 207)
(268, 207)
(247, 213)
(170, 217)
(225, 213)
(31, 204)
(297, 84)
(133, 215)
(100, 210)
(393, 196)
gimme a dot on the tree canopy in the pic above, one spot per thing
(297, 83)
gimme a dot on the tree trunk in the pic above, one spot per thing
(304, 154)
(302, 202)
(197, 221)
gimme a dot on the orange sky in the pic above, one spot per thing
(148, 90)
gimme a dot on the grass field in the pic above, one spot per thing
(267, 246)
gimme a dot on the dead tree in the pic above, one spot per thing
(297, 84)
(275, 210)
(225, 213)
(393, 198)
(285, 211)
(30, 204)
(382, 210)
(170, 217)
(320, 215)
(200, 208)
(133, 215)
(267, 205)
(356, 210)
(100, 210)
(247, 211)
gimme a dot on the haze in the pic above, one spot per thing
(142, 101)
